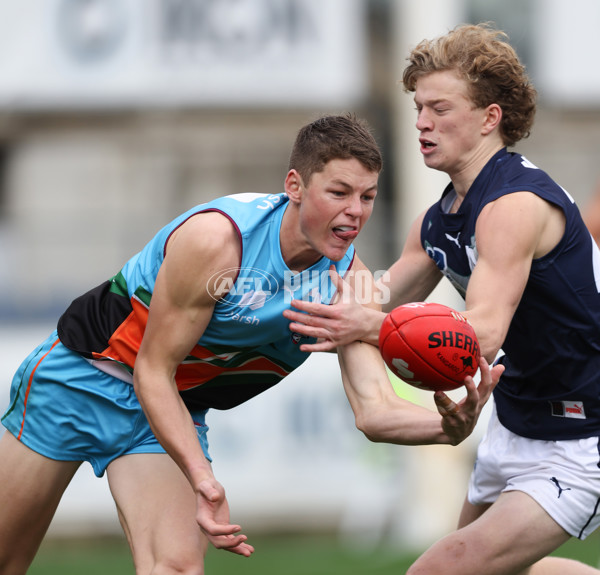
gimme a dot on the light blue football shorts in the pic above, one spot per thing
(64, 408)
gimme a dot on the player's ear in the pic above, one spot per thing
(492, 119)
(293, 186)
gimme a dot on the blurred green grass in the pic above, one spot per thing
(289, 554)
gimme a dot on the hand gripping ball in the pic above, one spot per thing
(429, 345)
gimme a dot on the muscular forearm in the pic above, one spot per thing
(401, 423)
(490, 330)
(379, 413)
(172, 425)
(384, 417)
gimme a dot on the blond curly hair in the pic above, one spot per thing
(482, 56)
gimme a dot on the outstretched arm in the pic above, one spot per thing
(384, 417)
(180, 310)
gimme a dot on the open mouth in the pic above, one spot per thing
(345, 232)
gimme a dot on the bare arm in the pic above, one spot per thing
(510, 233)
(180, 310)
(385, 417)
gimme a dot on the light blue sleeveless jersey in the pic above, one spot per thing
(247, 346)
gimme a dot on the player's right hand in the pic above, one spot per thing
(213, 518)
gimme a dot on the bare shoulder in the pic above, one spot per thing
(524, 218)
(520, 203)
(208, 234)
(203, 247)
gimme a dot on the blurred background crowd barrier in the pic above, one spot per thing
(116, 115)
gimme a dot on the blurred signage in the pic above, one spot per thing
(107, 53)
(565, 46)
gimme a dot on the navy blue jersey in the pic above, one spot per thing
(551, 386)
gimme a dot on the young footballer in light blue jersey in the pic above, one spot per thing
(192, 322)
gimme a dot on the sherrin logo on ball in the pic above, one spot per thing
(429, 345)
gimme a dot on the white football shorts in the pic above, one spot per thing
(562, 476)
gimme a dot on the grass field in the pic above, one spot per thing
(275, 555)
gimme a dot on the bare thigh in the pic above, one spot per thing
(508, 537)
(470, 512)
(157, 509)
(31, 488)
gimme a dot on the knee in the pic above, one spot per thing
(185, 564)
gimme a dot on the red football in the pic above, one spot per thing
(429, 345)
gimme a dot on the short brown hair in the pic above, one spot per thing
(482, 56)
(331, 138)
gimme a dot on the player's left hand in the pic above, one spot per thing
(459, 419)
(213, 518)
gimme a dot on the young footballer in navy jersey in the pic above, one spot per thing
(513, 244)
